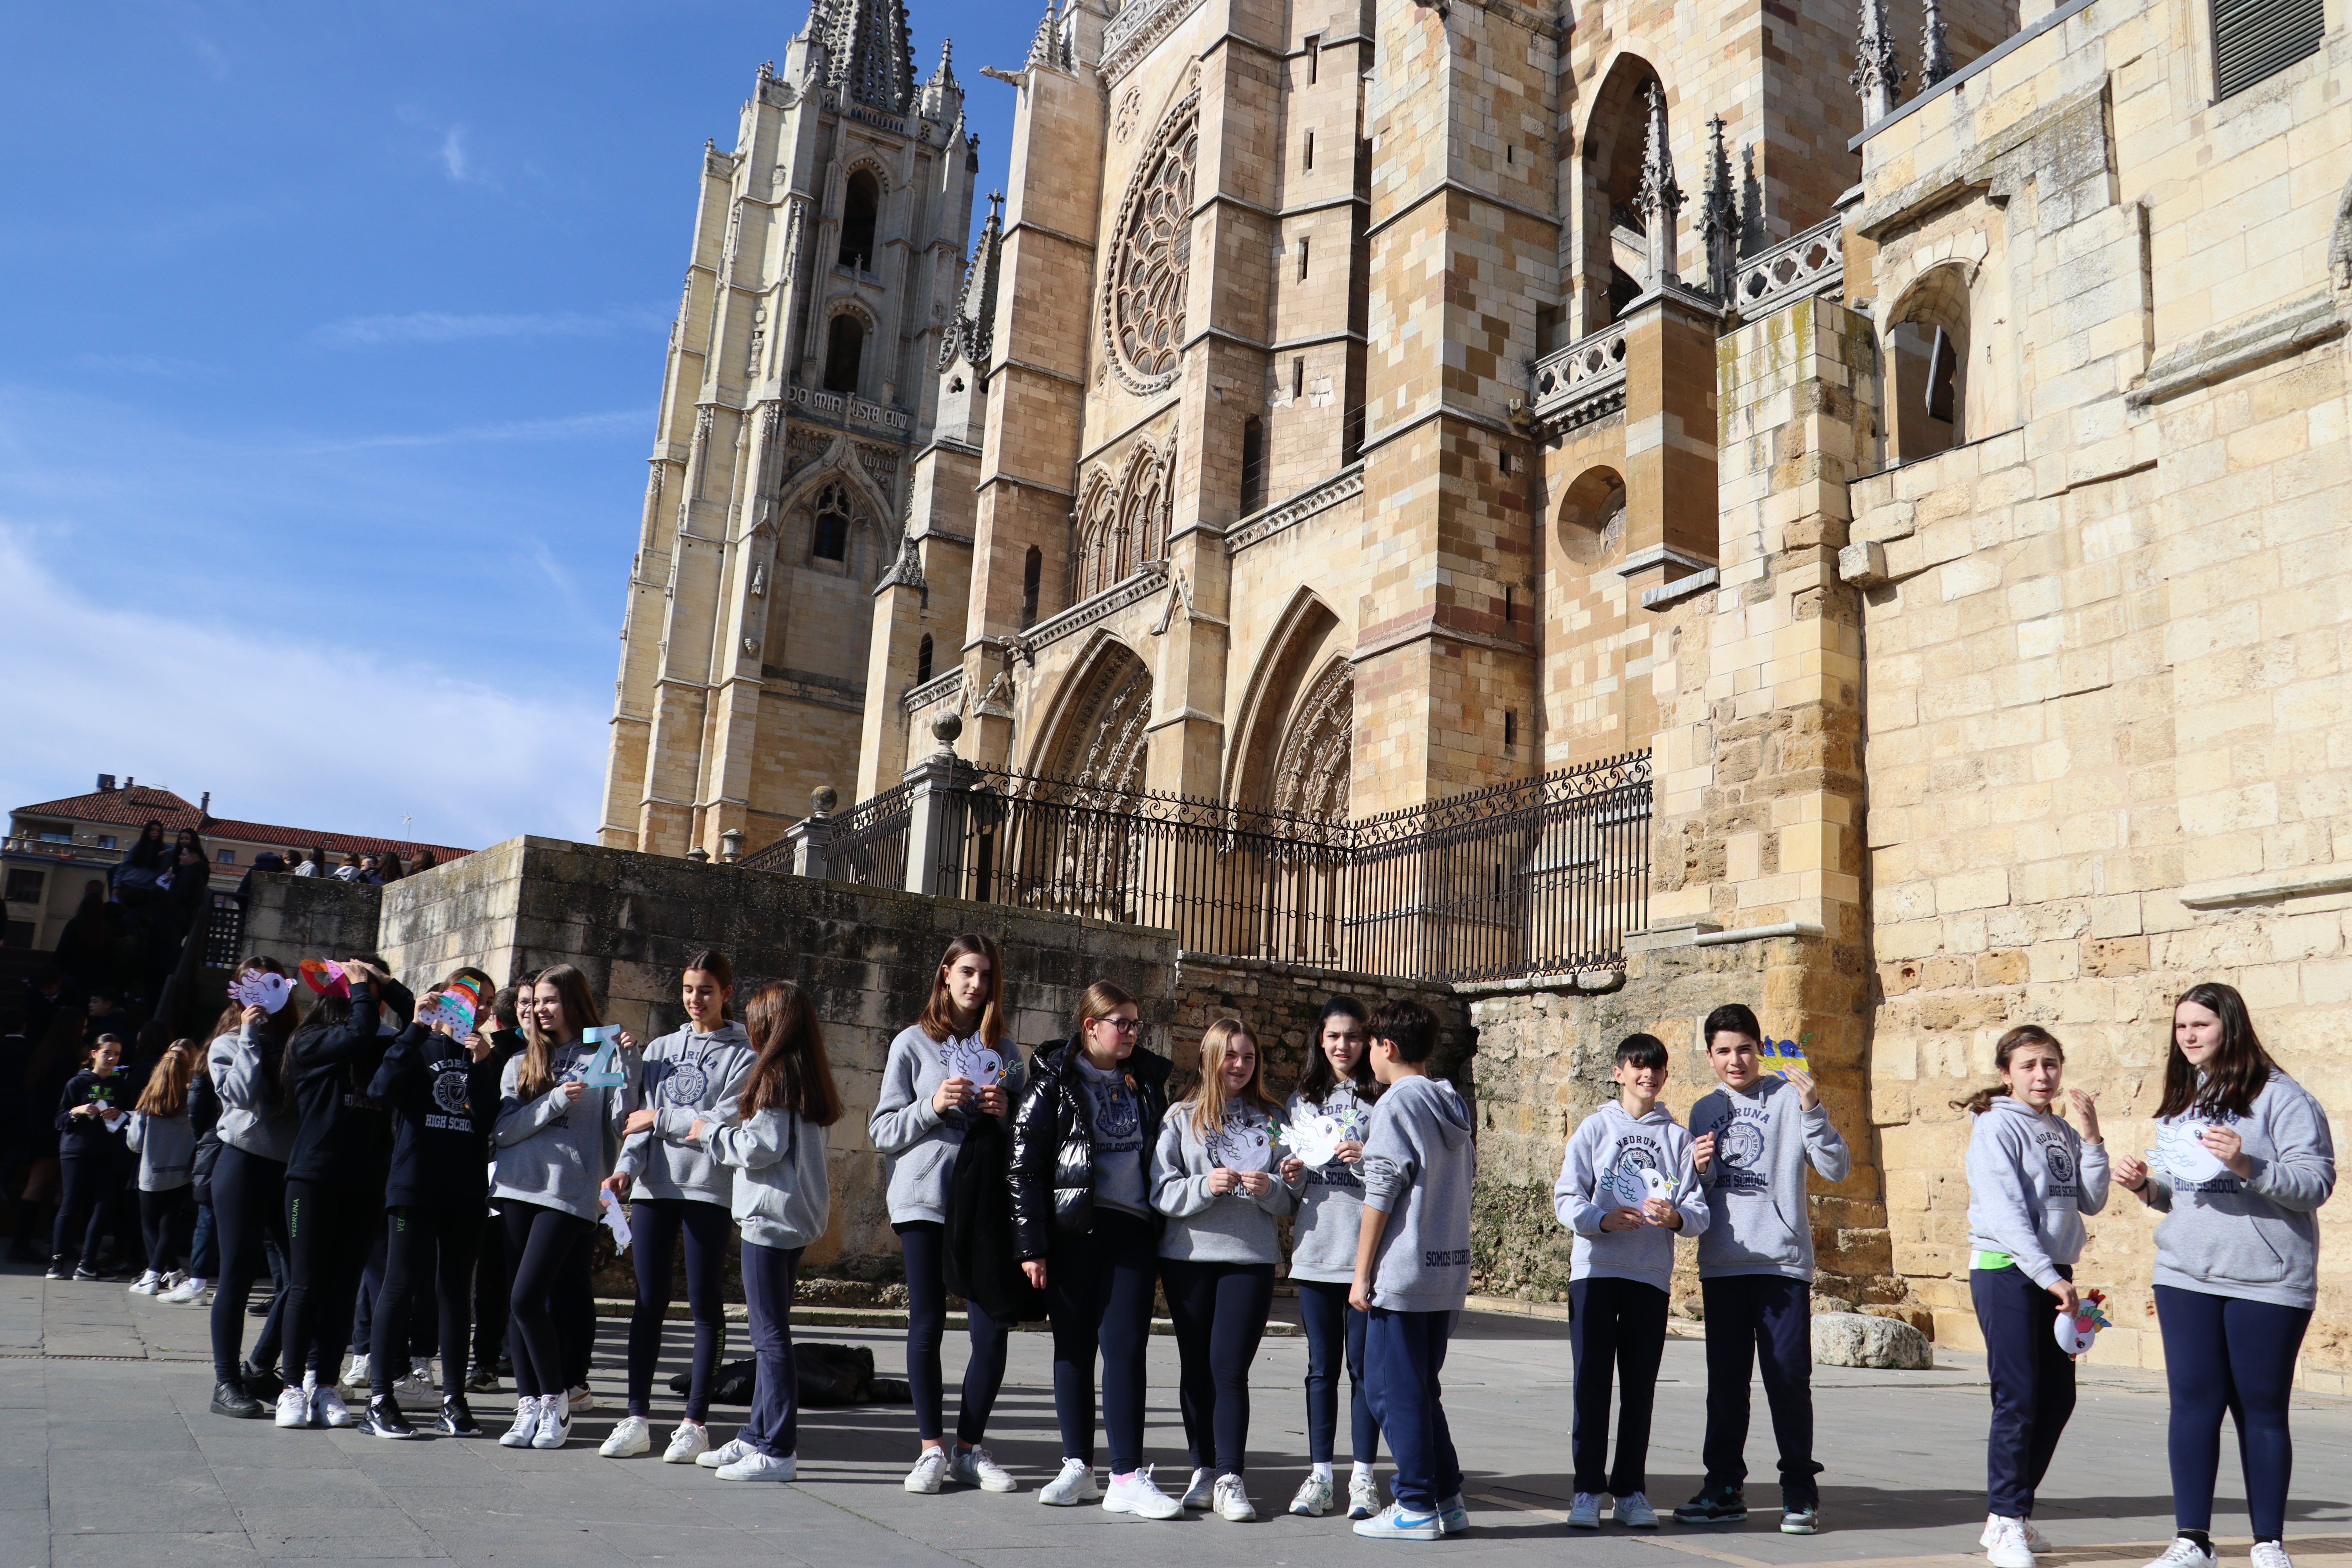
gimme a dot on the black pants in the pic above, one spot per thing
(249, 1208)
(493, 1283)
(773, 1427)
(924, 1243)
(1098, 1295)
(423, 1325)
(164, 1222)
(329, 1225)
(1614, 1326)
(2032, 1384)
(1219, 1310)
(575, 1310)
(656, 1225)
(422, 1247)
(1335, 1333)
(2223, 1353)
(542, 1242)
(1767, 1318)
(90, 1181)
(204, 1245)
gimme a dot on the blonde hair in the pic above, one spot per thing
(166, 1093)
(1209, 1100)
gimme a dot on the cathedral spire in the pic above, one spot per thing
(1661, 198)
(1050, 48)
(1878, 76)
(975, 315)
(1718, 216)
(865, 45)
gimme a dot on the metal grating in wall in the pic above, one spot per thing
(2256, 39)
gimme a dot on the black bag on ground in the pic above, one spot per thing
(982, 1263)
(830, 1375)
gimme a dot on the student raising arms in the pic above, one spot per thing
(2244, 1160)
(557, 1139)
(2031, 1178)
(681, 1193)
(257, 1134)
(774, 1138)
(1336, 1082)
(926, 1105)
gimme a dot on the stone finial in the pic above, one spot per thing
(731, 845)
(1934, 55)
(1660, 199)
(944, 729)
(1049, 49)
(823, 799)
(906, 571)
(698, 854)
(1718, 217)
(1878, 76)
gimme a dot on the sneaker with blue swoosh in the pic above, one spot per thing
(1396, 1522)
(1453, 1515)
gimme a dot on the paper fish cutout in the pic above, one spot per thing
(600, 1072)
(452, 1008)
(1784, 1057)
(971, 1060)
(2180, 1150)
(260, 988)
(1314, 1137)
(1242, 1145)
(325, 976)
(2077, 1329)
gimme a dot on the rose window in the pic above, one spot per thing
(1143, 299)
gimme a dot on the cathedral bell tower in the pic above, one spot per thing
(800, 386)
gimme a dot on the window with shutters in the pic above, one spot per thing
(2256, 39)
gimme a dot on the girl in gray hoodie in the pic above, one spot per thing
(680, 1192)
(165, 1139)
(256, 1133)
(1213, 1175)
(2243, 1159)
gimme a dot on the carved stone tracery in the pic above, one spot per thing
(1143, 292)
(1315, 768)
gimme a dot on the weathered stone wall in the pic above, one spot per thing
(1283, 1005)
(292, 918)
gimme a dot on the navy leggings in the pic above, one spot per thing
(655, 1226)
(773, 1427)
(1098, 1292)
(924, 1243)
(1220, 1311)
(428, 1258)
(2224, 1354)
(329, 1225)
(89, 1180)
(248, 1207)
(1333, 1327)
(2032, 1384)
(1617, 1331)
(540, 1243)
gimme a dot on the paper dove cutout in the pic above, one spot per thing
(2180, 1150)
(259, 989)
(1784, 1057)
(325, 976)
(1242, 1145)
(971, 1060)
(2077, 1329)
(1634, 1185)
(1314, 1137)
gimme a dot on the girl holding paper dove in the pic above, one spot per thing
(89, 1156)
(1213, 1177)
(257, 1134)
(952, 1065)
(680, 1191)
(1337, 1084)
(782, 1200)
(557, 1137)
(2031, 1178)
(2243, 1160)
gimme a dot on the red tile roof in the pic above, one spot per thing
(138, 804)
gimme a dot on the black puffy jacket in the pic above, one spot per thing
(1054, 1145)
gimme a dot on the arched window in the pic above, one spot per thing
(1253, 464)
(860, 203)
(1033, 572)
(923, 659)
(1928, 349)
(845, 347)
(830, 538)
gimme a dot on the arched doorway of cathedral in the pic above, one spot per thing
(1927, 351)
(1612, 260)
(1097, 738)
(1090, 860)
(1294, 759)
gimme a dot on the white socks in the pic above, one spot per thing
(1360, 1471)
(1323, 1469)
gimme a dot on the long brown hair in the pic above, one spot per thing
(938, 1019)
(1982, 1100)
(1210, 1102)
(2241, 1066)
(166, 1093)
(274, 1027)
(791, 1073)
(713, 963)
(580, 1012)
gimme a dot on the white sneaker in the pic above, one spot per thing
(188, 1292)
(554, 1422)
(1313, 1500)
(758, 1466)
(1139, 1494)
(2009, 1548)
(293, 1407)
(526, 1423)
(357, 1375)
(726, 1453)
(1394, 1523)
(2186, 1554)
(330, 1408)
(1202, 1491)
(147, 1284)
(931, 1470)
(417, 1391)
(630, 1436)
(2271, 1554)
(688, 1443)
(1584, 1514)
(1635, 1511)
(1363, 1494)
(1231, 1501)
(1075, 1485)
(583, 1400)
(2034, 1538)
(976, 1466)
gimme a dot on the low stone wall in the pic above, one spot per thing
(290, 917)
(1283, 1005)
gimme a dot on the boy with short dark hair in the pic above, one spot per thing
(1754, 1137)
(1626, 1188)
(1412, 1269)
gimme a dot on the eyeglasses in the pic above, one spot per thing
(1124, 1026)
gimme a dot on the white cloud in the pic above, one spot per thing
(448, 327)
(452, 152)
(280, 722)
(557, 429)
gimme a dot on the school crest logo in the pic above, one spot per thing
(2062, 1163)
(686, 1084)
(1116, 1115)
(450, 1091)
(1740, 1146)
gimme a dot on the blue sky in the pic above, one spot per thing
(328, 356)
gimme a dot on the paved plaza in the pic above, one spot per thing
(111, 1459)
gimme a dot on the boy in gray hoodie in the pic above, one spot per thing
(1412, 1270)
(1626, 1189)
(1752, 1139)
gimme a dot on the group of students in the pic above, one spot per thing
(1068, 1185)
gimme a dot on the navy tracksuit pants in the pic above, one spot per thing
(1765, 1318)
(1403, 1354)
(1615, 1327)
(2032, 1384)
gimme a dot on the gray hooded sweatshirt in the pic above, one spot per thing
(2256, 1239)
(2031, 1181)
(783, 1193)
(1332, 1203)
(1420, 1161)
(917, 1142)
(1609, 1143)
(549, 1152)
(252, 1119)
(687, 1074)
(1217, 1228)
(1760, 1222)
(166, 1146)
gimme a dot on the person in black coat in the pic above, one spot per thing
(91, 1116)
(1087, 1235)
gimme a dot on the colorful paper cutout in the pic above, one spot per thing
(1242, 1144)
(600, 1072)
(456, 1005)
(260, 988)
(1784, 1057)
(2078, 1328)
(325, 976)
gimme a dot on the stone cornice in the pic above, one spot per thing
(1347, 483)
(1148, 22)
(1148, 579)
